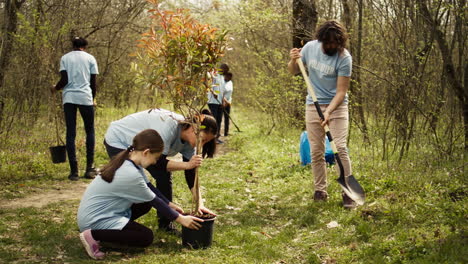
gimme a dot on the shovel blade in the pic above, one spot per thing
(352, 188)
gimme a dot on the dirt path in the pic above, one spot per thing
(67, 191)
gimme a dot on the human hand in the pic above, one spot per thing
(189, 221)
(194, 162)
(295, 54)
(326, 118)
(204, 210)
(176, 207)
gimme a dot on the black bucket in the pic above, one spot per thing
(58, 153)
(201, 238)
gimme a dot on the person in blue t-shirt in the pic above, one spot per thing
(78, 70)
(215, 97)
(122, 193)
(329, 65)
(178, 136)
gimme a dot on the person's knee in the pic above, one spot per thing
(147, 239)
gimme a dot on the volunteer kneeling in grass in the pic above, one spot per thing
(121, 194)
(178, 134)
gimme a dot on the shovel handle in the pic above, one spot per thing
(310, 90)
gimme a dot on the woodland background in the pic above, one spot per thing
(408, 133)
(409, 61)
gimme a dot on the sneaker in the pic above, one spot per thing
(90, 173)
(320, 196)
(73, 176)
(348, 203)
(219, 141)
(170, 229)
(91, 245)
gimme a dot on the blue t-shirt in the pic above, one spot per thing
(218, 88)
(79, 66)
(324, 70)
(120, 133)
(108, 205)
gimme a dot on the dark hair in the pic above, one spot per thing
(228, 75)
(206, 112)
(332, 31)
(146, 139)
(209, 126)
(224, 67)
(79, 42)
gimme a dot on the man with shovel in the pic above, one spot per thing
(329, 65)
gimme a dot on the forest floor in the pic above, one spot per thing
(415, 212)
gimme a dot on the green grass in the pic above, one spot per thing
(415, 210)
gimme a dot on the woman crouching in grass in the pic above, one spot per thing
(121, 194)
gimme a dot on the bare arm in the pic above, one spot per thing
(194, 162)
(342, 86)
(293, 68)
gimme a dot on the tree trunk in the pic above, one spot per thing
(448, 66)
(356, 48)
(9, 28)
(305, 18)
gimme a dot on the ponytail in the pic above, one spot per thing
(108, 171)
(146, 139)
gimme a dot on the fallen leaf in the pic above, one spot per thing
(265, 234)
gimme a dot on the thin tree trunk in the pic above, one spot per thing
(305, 18)
(10, 24)
(448, 66)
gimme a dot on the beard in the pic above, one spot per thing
(331, 52)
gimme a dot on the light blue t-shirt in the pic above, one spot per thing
(120, 133)
(324, 70)
(79, 66)
(108, 205)
(218, 88)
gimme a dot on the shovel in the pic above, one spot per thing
(349, 184)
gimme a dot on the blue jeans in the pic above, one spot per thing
(87, 113)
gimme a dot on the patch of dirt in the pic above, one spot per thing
(69, 191)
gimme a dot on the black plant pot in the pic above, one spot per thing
(201, 238)
(58, 153)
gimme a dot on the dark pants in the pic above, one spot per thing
(87, 114)
(133, 234)
(163, 180)
(227, 112)
(217, 111)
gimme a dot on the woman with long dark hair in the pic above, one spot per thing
(178, 135)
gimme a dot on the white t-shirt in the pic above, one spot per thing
(79, 66)
(228, 91)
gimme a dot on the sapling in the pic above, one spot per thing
(174, 58)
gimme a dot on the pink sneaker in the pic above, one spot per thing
(91, 245)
